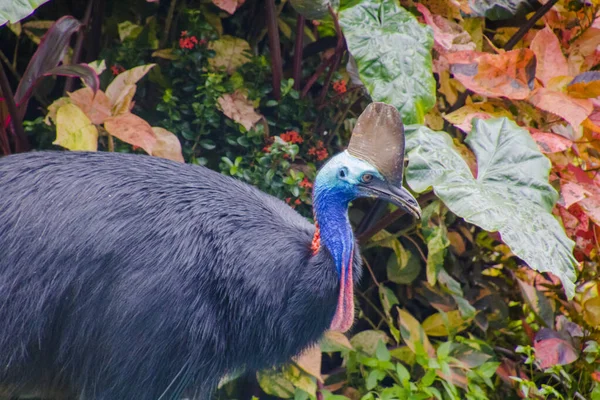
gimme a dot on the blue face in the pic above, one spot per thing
(347, 176)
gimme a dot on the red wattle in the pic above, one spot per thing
(344, 313)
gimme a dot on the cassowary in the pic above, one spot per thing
(132, 277)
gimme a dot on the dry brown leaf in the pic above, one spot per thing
(228, 5)
(509, 74)
(133, 130)
(572, 110)
(167, 145)
(97, 107)
(463, 117)
(237, 107)
(551, 62)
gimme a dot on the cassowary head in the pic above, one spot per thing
(372, 165)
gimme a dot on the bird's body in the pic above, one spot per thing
(125, 276)
(131, 277)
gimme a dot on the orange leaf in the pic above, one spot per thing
(572, 110)
(167, 145)
(97, 107)
(550, 142)
(551, 62)
(585, 85)
(310, 361)
(133, 130)
(509, 74)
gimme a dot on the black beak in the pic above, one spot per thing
(396, 195)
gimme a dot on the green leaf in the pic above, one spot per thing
(274, 383)
(413, 334)
(511, 194)
(437, 243)
(15, 10)
(367, 341)
(403, 266)
(393, 53)
(382, 353)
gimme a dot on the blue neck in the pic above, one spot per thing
(331, 213)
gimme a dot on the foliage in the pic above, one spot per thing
(495, 292)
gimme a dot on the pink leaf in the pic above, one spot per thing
(551, 349)
(550, 142)
(571, 193)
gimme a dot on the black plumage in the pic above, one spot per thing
(132, 277)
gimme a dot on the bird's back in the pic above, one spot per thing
(135, 276)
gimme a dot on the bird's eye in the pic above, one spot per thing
(343, 172)
(366, 178)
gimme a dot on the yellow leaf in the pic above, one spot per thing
(124, 79)
(335, 341)
(122, 103)
(230, 53)
(74, 130)
(167, 54)
(436, 325)
(413, 334)
(53, 108)
(133, 130)
(167, 145)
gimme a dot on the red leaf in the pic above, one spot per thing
(50, 52)
(572, 110)
(509, 74)
(551, 349)
(551, 62)
(550, 142)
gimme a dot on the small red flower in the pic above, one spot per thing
(116, 69)
(188, 42)
(596, 376)
(184, 33)
(267, 149)
(291, 137)
(306, 184)
(202, 42)
(288, 199)
(297, 202)
(318, 151)
(340, 86)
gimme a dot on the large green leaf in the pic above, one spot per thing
(511, 193)
(15, 10)
(393, 53)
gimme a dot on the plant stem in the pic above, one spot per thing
(297, 67)
(339, 51)
(12, 70)
(311, 81)
(389, 219)
(529, 24)
(274, 47)
(168, 23)
(70, 82)
(21, 142)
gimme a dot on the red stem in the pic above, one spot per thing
(317, 73)
(274, 46)
(70, 82)
(297, 67)
(21, 142)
